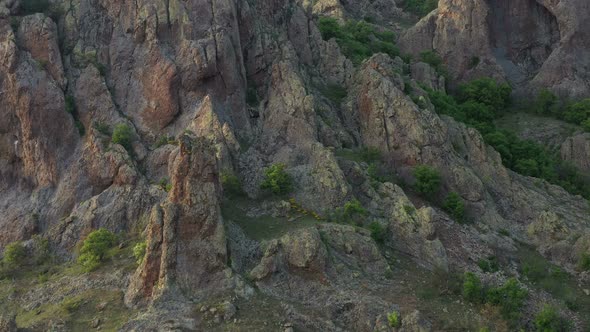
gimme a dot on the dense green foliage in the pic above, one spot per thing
(351, 212)
(14, 255)
(509, 297)
(428, 180)
(472, 289)
(123, 135)
(548, 104)
(94, 248)
(277, 180)
(232, 187)
(434, 60)
(139, 251)
(482, 101)
(358, 40)
(420, 7)
(489, 264)
(454, 205)
(336, 93)
(548, 320)
(378, 232)
(393, 319)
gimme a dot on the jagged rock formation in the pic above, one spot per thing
(185, 236)
(212, 86)
(531, 44)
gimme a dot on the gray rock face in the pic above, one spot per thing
(576, 150)
(524, 42)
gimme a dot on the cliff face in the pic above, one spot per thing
(207, 87)
(531, 44)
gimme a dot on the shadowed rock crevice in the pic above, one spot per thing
(523, 35)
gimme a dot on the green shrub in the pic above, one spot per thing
(139, 251)
(252, 97)
(486, 91)
(510, 297)
(94, 248)
(394, 319)
(586, 125)
(548, 320)
(546, 103)
(334, 92)
(454, 205)
(165, 185)
(378, 232)
(578, 112)
(358, 40)
(14, 255)
(354, 207)
(277, 180)
(123, 135)
(434, 60)
(351, 212)
(428, 180)
(472, 288)
(232, 187)
(489, 264)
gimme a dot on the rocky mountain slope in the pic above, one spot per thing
(139, 117)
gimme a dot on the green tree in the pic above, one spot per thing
(488, 92)
(393, 319)
(277, 180)
(428, 180)
(454, 205)
(548, 320)
(510, 297)
(94, 248)
(232, 187)
(472, 288)
(123, 135)
(14, 255)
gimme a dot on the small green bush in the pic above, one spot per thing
(378, 232)
(510, 297)
(489, 264)
(277, 180)
(454, 205)
(428, 180)
(123, 135)
(336, 93)
(546, 103)
(14, 255)
(232, 187)
(548, 320)
(394, 319)
(472, 288)
(139, 251)
(165, 185)
(434, 60)
(94, 248)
